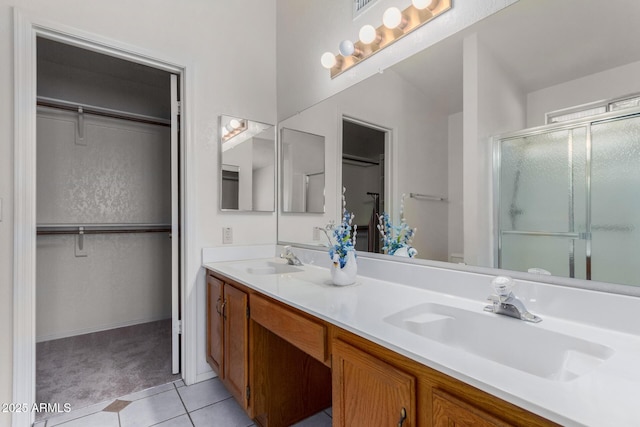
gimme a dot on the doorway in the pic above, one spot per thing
(364, 149)
(108, 241)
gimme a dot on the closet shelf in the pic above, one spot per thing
(46, 229)
(100, 111)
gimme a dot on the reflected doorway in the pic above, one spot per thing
(363, 176)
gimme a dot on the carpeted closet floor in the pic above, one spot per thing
(92, 368)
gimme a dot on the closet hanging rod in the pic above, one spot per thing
(428, 197)
(46, 229)
(100, 111)
(358, 161)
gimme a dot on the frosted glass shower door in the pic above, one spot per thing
(615, 201)
(542, 207)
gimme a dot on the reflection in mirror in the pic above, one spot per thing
(443, 123)
(363, 160)
(302, 170)
(247, 168)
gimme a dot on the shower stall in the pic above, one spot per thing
(568, 198)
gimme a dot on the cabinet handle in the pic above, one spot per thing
(403, 416)
(224, 315)
(218, 307)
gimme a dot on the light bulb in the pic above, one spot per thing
(392, 18)
(328, 60)
(235, 124)
(421, 4)
(367, 34)
(346, 48)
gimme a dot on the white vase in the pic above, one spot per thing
(346, 275)
(405, 251)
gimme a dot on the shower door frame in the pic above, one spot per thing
(584, 122)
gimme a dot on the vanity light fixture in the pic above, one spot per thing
(368, 35)
(395, 25)
(233, 128)
(393, 18)
(423, 4)
(347, 48)
(328, 60)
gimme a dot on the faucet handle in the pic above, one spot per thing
(502, 285)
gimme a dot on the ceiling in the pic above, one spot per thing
(531, 38)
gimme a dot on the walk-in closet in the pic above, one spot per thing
(105, 210)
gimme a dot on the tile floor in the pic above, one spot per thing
(205, 404)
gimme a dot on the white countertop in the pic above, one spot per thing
(608, 395)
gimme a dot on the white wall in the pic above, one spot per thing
(493, 104)
(607, 84)
(308, 29)
(200, 35)
(124, 280)
(455, 174)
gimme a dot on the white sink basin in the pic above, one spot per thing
(269, 267)
(511, 342)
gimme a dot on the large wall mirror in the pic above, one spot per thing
(445, 108)
(247, 165)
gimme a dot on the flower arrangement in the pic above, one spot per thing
(396, 240)
(344, 236)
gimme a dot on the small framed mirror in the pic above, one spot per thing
(302, 173)
(247, 165)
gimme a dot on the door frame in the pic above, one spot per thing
(27, 28)
(391, 197)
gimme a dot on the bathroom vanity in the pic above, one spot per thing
(410, 344)
(283, 364)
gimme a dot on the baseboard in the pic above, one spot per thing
(205, 376)
(83, 331)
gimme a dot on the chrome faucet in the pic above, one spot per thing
(506, 303)
(291, 258)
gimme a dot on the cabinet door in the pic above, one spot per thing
(369, 392)
(236, 355)
(449, 411)
(215, 303)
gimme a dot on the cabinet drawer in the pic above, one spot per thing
(307, 335)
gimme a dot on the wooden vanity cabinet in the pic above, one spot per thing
(283, 365)
(372, 385)
(369, 392)
(450, 411)
(228, 336)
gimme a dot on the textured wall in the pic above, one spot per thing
(121, 175)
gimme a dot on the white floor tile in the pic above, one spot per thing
(318, 420)
(99, 419)
(329, 411)
(152, 410)
(148, 392)
(179, 384)
(204, 393)
(78, 413)
(181, 421)
(226, 413)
